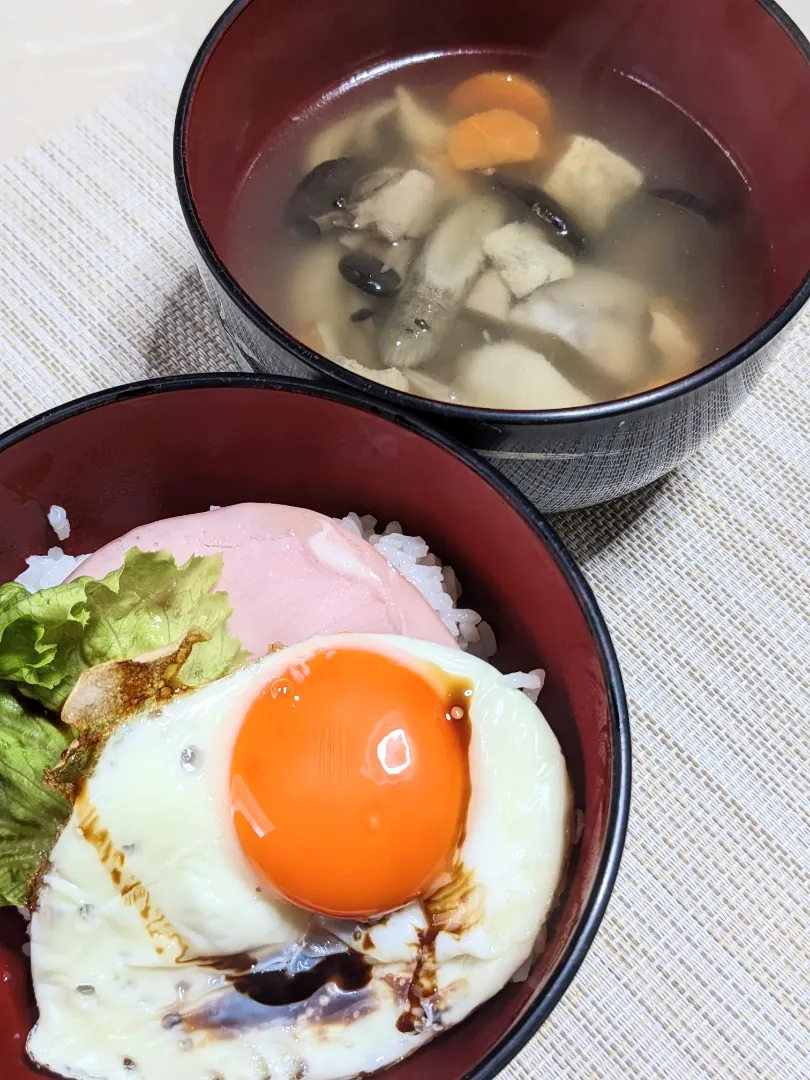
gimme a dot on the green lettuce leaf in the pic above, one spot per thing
(48, 638)
(40, 636)
(31, 813)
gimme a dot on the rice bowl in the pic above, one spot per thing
(547, 625)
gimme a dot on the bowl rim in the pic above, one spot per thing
(516, 1037)
(599, 411)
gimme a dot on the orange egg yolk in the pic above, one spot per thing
(350, 783)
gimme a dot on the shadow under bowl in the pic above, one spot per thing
(151, 450)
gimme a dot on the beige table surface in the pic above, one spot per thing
(701, 970)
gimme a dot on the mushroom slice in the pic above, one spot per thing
(596, 321)
(678, 346)
(355, 134)
(371, 122)
(425, 131)
(674, 250)
(434, 292)
(508, 375)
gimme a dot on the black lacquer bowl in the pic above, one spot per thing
(152, 450)
(736, 70)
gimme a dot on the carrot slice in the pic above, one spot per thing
(496, 137)
(501, 90)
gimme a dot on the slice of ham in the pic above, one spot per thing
(290, 574)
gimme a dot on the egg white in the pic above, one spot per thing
(160, 791)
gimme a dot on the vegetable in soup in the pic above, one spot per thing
(473, 229)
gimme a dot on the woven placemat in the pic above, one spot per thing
(700, 969)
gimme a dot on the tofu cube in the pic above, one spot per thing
(508, 375)
(490, 298)
(590, 181)
(525, 259)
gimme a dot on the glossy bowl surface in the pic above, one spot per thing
(151, 450)
(268, 59)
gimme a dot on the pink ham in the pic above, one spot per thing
(290, 574)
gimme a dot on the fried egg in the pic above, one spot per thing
(308, 868)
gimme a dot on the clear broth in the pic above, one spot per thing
(718, 287)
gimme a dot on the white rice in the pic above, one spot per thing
(45, 571)
(58, 520)
(439, 585)
(409, 555)
(25, 948)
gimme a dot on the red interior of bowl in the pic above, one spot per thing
(178, 452)
(728, 64)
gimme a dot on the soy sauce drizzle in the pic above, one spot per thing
(166, 939)
(422, 989)
(333, 989)
(453, 906)
(453, 909)
(348, 971)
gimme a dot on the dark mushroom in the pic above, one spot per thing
(323, 193)
(687, 201)
(369, 274)
(558, 225)
(362, 314)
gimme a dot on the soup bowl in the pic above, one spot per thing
(135, 454)
(268, 60)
